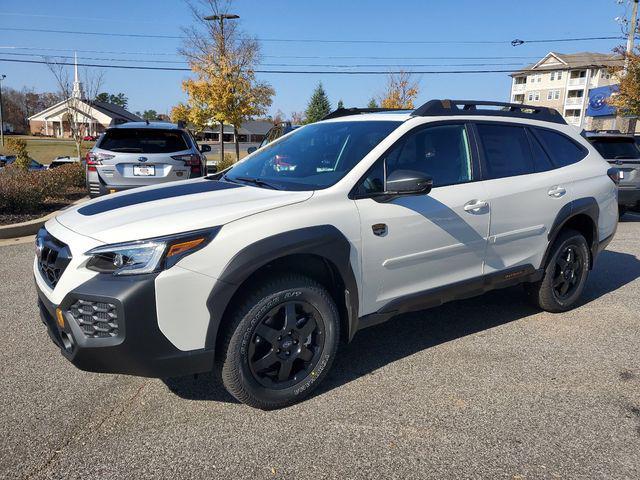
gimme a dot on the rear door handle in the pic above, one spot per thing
(475, 205)
(557, 192)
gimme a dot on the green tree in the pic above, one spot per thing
(149, 115)
(372, 103)
(340, 104)
(119, 99)
(319, 105)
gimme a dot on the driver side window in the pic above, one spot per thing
(440, 151)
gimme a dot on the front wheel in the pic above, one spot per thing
(280, 343)
(565, 274)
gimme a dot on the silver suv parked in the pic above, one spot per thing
(137, 154)
(621, 151)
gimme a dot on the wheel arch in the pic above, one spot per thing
(320, 252)
(582, 215)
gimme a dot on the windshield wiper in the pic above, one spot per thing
(255, 181)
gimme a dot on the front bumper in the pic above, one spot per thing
(136, 346)
(629, 197)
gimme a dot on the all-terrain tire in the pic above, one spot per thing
(235, 363)
(544, 293)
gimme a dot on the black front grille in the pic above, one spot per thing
(53, 257)
(95, 319)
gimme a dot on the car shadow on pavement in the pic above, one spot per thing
(410, 333)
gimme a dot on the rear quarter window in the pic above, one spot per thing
(562, 150)
(143, 141)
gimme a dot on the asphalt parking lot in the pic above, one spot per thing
(483, 388)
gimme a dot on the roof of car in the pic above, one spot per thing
(150, 125)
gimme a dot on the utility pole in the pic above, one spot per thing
(220, 19)
(2, 77)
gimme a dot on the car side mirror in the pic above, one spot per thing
(205, 148)
(251, 149)
(408, 182)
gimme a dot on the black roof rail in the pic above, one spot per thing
(343, 112)
(469, 107)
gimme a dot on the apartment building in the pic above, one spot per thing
(563, 81)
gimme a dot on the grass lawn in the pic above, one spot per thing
(44, 149)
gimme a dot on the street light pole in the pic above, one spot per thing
(2, 77)
(220, 19)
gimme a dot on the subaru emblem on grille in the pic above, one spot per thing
(142, 159)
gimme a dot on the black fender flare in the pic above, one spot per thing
(324, 241)
(582, 206)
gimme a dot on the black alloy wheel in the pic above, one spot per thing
(286, 344)
(568, 271)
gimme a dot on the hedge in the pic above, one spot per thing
(25, 192)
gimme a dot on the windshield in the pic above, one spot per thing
(617, 148)
(313, 157)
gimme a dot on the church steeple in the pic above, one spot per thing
(77, 91)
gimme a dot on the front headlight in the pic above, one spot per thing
(147, 256)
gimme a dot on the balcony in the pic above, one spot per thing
(574, 100)
(575, 121)
(577, 82)
(519, 87)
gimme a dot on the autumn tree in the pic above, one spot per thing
(18, 147)
(223, 60)
(319, 105)
(627, 99)
(400, 91)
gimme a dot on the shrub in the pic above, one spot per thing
(229, 160)
(20, 191)
(23, 191)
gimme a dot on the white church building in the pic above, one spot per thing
(94, 116)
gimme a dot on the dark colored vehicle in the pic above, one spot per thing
(623, 152)
(274, 133)
(34, 166)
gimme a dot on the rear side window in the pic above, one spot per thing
(143, 141)
(563, 150)
(616, 148)
(506, 150)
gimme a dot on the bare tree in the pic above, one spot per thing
(78, 97)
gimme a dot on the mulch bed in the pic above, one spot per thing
(50, 205)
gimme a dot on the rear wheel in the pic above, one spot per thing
(565, 274)
(280, 343)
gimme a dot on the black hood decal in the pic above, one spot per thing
(135, 198)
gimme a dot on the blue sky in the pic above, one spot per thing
(411, 20)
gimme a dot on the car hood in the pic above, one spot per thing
(172, 208)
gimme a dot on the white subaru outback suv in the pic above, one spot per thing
(259, 272)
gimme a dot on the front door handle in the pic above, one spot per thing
(475, 205)
(557, 192)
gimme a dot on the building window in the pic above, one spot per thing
(530, 97)
(550, 95)
(560, 75)
(556, 95)
(552, 76)
(536, 96)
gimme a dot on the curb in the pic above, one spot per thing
(31, 227)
